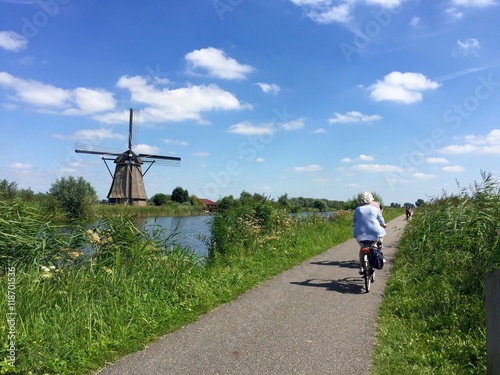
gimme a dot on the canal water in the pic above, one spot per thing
(190, 231)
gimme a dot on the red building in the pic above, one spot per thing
(211, 206)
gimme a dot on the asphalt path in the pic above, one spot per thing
(313, 319)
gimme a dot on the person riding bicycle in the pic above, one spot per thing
(408, 212)
(368, 224)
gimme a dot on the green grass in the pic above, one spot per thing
(75, 313)
(432, 319)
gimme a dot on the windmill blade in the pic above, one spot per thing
(162, 157)
(168, 163)
(172, 161)
(97, 150)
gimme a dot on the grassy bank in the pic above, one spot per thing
(174, 209)
(432, 319)
(74, 313)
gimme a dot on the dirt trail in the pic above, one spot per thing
(313, 319)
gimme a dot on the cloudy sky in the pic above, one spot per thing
(312, 98)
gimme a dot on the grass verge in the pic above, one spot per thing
(432, 318)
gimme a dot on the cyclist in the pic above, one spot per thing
(408, 212)
(368, 224)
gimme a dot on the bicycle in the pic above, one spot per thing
(368, 270)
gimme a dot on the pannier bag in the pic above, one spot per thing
(376, 258)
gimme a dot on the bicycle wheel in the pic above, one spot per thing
(367, 274)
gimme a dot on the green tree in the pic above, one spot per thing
(180, 195)
(8, 189)
(160, 199)
(320, 204)
(283, 201)
(74, 195)
(419, 202)
(226, 203)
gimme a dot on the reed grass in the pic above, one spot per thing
(432, 319)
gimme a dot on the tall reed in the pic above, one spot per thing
(432, 317)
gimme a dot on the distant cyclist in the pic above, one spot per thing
(368, 224)
(408, 212)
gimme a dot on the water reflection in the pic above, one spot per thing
(190, 230)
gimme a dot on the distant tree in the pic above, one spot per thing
(75, 196)
(283, 201)
(179, 195)
(409, 204)
(195, 201)
(226, 203)
(8, 189)
(419, 202)
(320, 204)
(395, 205)
(160, 199)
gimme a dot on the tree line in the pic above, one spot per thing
(74, 197)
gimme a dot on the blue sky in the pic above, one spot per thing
(312, 98)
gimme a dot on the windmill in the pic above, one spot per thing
(128, 184)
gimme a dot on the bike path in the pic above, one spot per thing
(315, 318)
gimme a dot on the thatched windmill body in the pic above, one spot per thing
(128, 183)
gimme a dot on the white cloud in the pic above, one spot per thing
(474, 3)
(260, 160)
(35, 93)
(457, 149)
(415, 21)
(91, 101)
(20, 166)
(454, 12)
(12, 41)
(79, 101)
(176, 142)
(366, 157)
(436, 160)
(423, 176)
(453, 169)
(492, 138)
(308, 168)
(361, 157)
(292, 125)
(200, 154)
(324, 12)
(488, 144)
(468, 47)
(90, 135)
(401, 87)
(377, 168)
(146, 149)
(386, 3)
(353, 117)
(246, 128)
(319, 131)
(330, 11)
(269, 87)
(217, 64)
(483, 144)
(163, 104)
